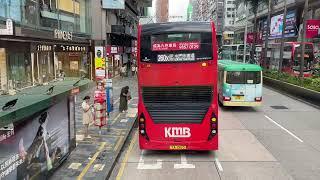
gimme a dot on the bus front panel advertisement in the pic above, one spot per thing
(177, 107)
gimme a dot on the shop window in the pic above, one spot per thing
(20, 70)
(10, 9)
(31, 12)
(45, 65)
(3, 70)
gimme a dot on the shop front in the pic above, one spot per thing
(72, 60)
(114, 60)
(16, 65)
(42, 63)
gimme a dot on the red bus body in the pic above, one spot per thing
(185, 77)
(291, 63)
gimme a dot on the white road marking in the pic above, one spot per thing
(132, 112)
(184, 163)
(74, 166)
(283, 128)
(124, 120)
(218, 164)
(98, 167)
(79, 137)
(141, 164)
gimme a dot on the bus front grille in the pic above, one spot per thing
(181, 104)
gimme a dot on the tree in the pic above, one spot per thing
(254, 7)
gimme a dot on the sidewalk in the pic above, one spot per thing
(94, 157)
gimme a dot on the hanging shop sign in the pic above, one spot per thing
(112, 50)
(313, 28)
(63, 35)
(70, 48)
(250, 37)
(9, 28)
(100, 64)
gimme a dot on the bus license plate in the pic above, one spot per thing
(239, 98)
(178, 147)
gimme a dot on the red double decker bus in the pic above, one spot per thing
(291, 58)
(177, 78)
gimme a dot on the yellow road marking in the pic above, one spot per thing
(126, 157)
(84, 171)
(118, 143)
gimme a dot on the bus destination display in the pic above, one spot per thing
(176, 46)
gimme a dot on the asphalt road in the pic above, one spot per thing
(279, 140)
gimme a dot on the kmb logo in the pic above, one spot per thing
(178, 132)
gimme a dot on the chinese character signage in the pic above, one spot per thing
(35, 145)
(175, 46)
(100, 64)
(113, 4)
(250, 38)
(313, 28)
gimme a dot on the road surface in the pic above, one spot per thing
(279, 140)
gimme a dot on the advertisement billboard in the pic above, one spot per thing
(313, 28)
(113, 4)
(100, 64)
(31, 147)
(276, 25)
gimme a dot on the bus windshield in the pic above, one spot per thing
(176, 47)
(243, 77)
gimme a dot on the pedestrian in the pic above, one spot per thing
(86, 115)
(133, 70)
(123, 70)
(124, 97)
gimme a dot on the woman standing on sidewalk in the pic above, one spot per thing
(124, 97)
(86, 115)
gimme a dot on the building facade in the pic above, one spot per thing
(162, 11)
(115, 31)
(229, 13)
(294, 20)
(210, 10)
(40, 39)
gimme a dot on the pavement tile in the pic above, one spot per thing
(114, 137)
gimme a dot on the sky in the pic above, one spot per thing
(176, 8)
